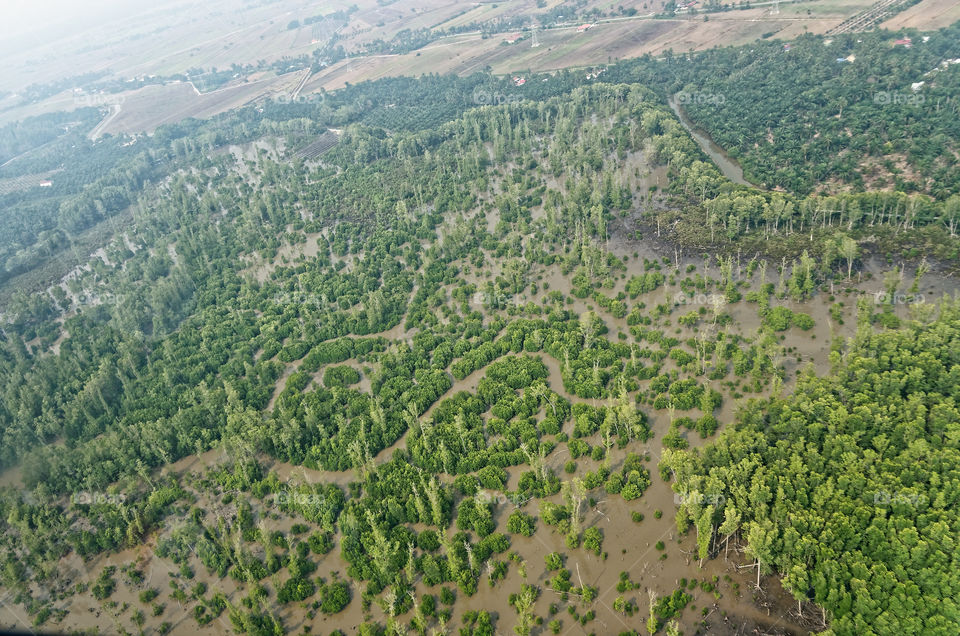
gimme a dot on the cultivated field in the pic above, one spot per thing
(927, 15)
(168, 39)
(171, 39)
(145, 109)
(608, 41)
(24, 182)
(177, 36)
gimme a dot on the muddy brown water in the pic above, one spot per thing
(630, 546)
(727, 165)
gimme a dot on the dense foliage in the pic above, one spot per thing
(430, 316)
(848, 488)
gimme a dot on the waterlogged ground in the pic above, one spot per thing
(656, 558)
(735, 606)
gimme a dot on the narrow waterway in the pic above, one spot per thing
(730, 168)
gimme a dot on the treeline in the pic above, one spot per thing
(848, 488)
(851, 111)
(735, 214)
(18, 137)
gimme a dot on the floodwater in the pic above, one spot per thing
(729, 167)
(737, 607)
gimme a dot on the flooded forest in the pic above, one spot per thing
(550, 366)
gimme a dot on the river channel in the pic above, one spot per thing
(730, 168)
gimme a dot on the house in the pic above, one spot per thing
(905, 42)
(519, 81)
(584, 27)
(510, 39)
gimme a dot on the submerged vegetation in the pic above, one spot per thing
(848, 487)
(433, 364)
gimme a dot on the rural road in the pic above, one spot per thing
(114, 111)
(627, 18)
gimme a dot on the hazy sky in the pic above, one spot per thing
(22, 22)
(39, 38)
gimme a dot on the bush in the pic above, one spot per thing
(554, 561)
(447, 596)
(341, 376)
(707, 425)
(520, 522)
(148, 595)
(492, 477)
(294, 351)
(803, 321)
(428, 541)
(670, 606)
(334, 597)
(296, 590)
(104, 585)
(593, 540)
(320, 542)
(778, 318)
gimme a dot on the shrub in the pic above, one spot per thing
(520, 522)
